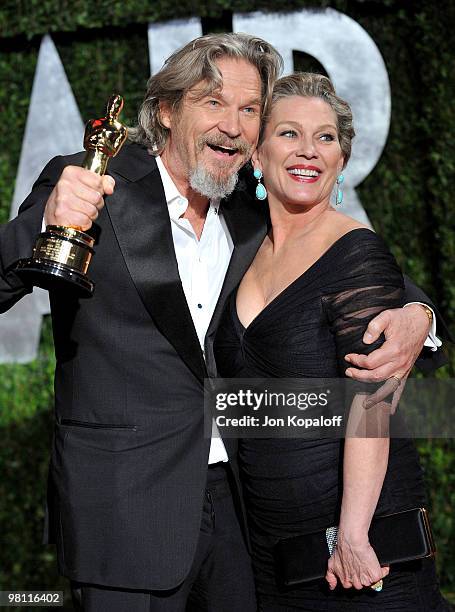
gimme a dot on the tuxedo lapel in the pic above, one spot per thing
(140, 219)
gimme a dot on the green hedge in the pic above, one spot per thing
(408, 197)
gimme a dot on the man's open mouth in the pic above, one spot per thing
(228, 151)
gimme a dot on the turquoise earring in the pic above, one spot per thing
(261, 191)
(339, 196)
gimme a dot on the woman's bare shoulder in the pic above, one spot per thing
(338, 224)
(343, 223)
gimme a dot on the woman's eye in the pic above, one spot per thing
(327, 137)
(289, 133)
(213, 102)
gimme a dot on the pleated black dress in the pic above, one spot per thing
(294, 486)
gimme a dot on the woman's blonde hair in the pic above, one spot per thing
(310, 85)
(196, 62)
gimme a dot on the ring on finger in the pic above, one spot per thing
(377, 586)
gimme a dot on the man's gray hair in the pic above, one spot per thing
(196, 62)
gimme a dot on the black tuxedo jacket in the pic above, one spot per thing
(129, 460)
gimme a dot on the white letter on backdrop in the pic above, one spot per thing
(54, 127)
(356, 68)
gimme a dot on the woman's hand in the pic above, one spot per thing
(354, 564)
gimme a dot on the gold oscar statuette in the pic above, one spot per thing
(62, 255)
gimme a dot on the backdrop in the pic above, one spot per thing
(403, 176)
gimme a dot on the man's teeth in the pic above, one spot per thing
(303, 172)
(223, 149)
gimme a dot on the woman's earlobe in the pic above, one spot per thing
(261, 192)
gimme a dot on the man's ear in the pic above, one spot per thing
(165, 115)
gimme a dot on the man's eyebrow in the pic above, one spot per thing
(213, 93)
(217, 93)
(254, 102)
(199, 93)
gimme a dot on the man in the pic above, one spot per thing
(139, 520)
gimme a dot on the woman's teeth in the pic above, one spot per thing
(303, 172)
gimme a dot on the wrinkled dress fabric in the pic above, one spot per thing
(294, 486)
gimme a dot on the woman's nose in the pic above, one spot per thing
(306, 149)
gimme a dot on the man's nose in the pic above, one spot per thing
(230, 124)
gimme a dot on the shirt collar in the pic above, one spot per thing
(177, 203)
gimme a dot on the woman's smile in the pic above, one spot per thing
(304, 174)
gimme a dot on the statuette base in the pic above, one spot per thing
(61, 256)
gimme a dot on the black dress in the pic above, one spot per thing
(294, 486)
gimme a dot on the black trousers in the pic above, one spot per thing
(220, 578)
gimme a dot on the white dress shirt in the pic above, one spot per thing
(202, 267)
(432, 341)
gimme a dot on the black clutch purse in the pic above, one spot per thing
(398, 537)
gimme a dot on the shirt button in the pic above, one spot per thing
(199, 305)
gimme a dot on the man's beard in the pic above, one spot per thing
(213, 184)
(213, 188)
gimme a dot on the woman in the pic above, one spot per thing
(317, 280)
